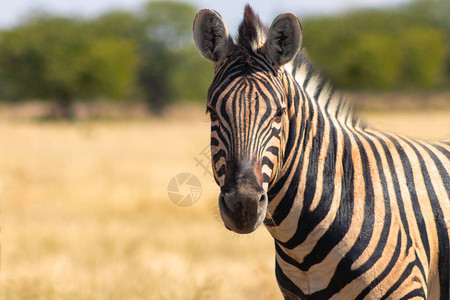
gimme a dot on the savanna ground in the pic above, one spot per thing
(85, 212)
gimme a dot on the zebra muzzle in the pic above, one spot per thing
(243, 213)
(243, 201)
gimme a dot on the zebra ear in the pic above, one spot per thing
(211, 35)
(283, 39)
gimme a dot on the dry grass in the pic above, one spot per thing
(85, 214)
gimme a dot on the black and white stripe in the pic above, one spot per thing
(355, 213)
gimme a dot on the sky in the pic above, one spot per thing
(12, 11)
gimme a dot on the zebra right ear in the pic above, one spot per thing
(283, 39)
(211, 35)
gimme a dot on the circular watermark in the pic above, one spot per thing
(184, 189)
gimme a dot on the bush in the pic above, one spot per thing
(378, 50)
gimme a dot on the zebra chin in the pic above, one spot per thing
(243, 212)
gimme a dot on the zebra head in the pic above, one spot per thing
(247, 103)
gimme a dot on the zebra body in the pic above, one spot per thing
(355, 213)
(374, 213)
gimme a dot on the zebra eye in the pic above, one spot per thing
(212, 115)
(279, 115)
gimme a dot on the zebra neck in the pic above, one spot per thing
(327, 99)
(311, 179)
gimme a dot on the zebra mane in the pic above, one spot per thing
(327, 98)
(252, 32)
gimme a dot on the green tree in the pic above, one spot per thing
(424, 56)
(168, 26)
(372, 63)
(60, 59)
(192, 76)
(120, 24)
(377, 49)
(436, 14)
(169, 23)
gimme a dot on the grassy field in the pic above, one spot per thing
(85, 212)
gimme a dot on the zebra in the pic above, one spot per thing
(355, 213)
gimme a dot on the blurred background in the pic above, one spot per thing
(102, 105)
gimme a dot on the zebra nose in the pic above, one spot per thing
(236, 201)
(243, 210)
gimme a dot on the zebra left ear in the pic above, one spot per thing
(211, 35)
(283, 39)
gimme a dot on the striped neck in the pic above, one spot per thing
(322, 94)
(315, 152)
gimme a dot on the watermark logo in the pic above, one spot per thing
(203, 160)
(184, 189)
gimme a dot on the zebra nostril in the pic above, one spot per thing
(223, 201)
(263, 197)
